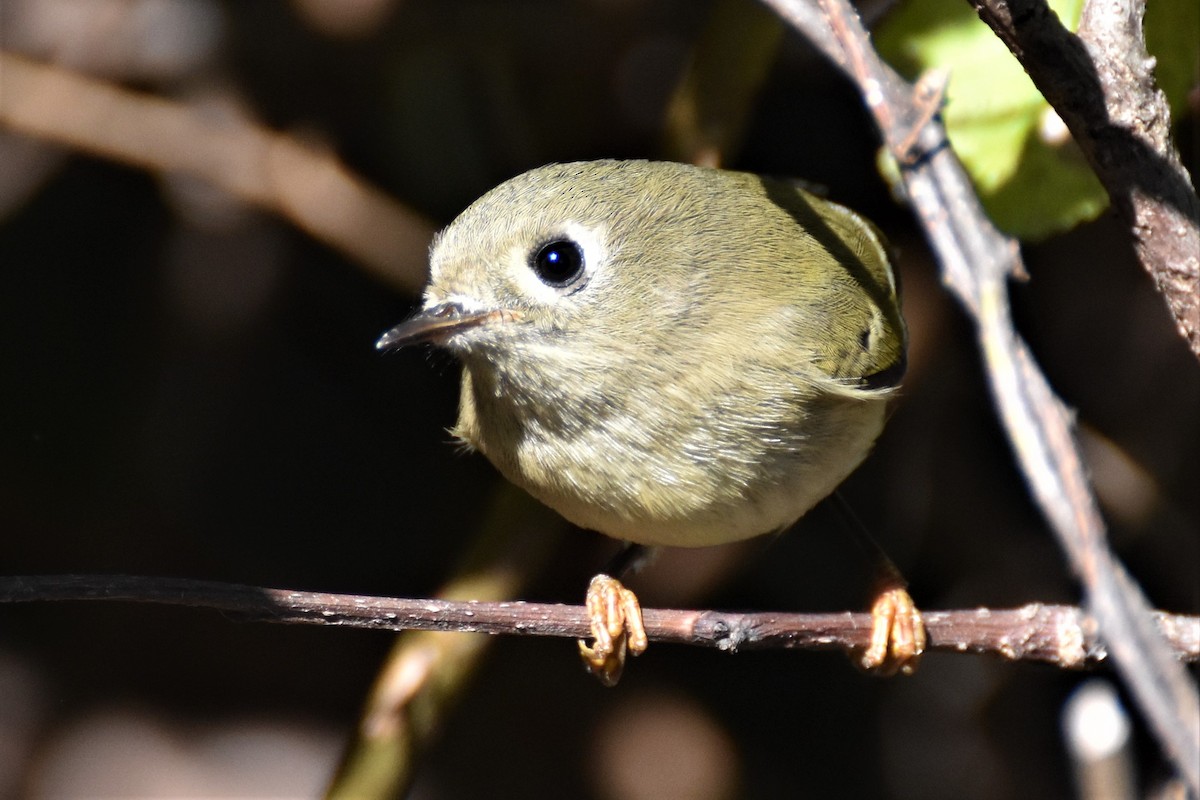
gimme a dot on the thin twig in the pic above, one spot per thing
(311, 189)
(976, 259)
(1060, 635)
(1101, 82)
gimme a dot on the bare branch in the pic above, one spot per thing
(1060, 635)
(312, 190)
(1101, 82)
(975, 260)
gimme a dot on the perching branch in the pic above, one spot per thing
(1101, 82)
(1060, 635)
(976, 260)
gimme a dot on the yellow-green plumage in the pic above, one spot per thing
(723, 363)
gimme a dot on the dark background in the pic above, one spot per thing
(190, 389)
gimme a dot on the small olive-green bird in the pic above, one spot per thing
(667, 354)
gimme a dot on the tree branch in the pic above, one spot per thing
(311, 189)
(1101, 82)
(976, 259)
(1060, 635)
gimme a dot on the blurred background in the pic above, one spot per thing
(190, 389)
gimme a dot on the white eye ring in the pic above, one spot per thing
(586, 243)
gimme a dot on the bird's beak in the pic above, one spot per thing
(433, 325)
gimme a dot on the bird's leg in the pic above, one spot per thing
(897, 630)
(616, 618)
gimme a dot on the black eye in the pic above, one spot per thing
(558, 263)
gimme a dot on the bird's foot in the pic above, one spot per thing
(897, 634)
(616, 619)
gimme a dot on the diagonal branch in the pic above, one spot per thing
(976, 259)
(1060, 635)
(312, 190)
(1101, 82)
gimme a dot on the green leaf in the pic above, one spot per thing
(1028, 171)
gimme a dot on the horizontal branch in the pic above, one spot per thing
(1061, 635)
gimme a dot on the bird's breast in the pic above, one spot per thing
(668, 462)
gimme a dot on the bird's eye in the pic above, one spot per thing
(558, 263)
